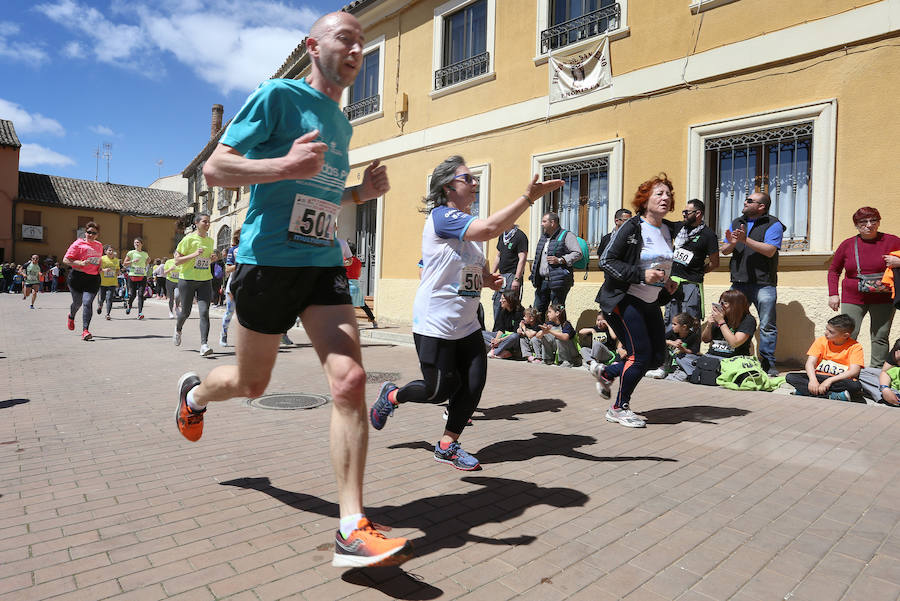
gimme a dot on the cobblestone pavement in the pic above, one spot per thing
(725, 495)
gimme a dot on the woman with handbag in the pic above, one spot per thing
(862, 260)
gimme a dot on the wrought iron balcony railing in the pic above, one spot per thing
(364, 107)
(580, 28)
(461, 71)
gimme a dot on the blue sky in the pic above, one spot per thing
(141, 75)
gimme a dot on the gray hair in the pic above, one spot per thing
(441, 177)
(200, 216)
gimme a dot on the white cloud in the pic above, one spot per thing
(74, 50)
(102, 130)
(32, 155)
(232, 44)
(29, 123)
(19, 50)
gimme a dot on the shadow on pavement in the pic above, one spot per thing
(525, 407)
(446, 521)
(549, 443)
(543, 444)
(11, 402)
(703, 414)
(96, 337)
(393, 582)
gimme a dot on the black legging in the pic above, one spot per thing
(136, 288)
(454, 370)
(639, 326)
(83, 288)
(800, 381)
(106, 294)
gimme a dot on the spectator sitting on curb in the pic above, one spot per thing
(682, 339)
(557, 337)
(529, 343)
(503, 341)
(833, 363)
(596, 349)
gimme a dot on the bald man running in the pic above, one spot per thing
(290, 141)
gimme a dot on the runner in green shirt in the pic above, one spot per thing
(137, 261)
(193, 254)
(32, 274)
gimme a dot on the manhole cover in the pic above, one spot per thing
(382, 376)
(289, 401)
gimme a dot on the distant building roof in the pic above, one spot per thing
(8, 135)
(87, 194)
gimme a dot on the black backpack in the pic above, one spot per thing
(706, 370)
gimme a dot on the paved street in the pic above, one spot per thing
(725, 495)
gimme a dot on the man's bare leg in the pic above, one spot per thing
(334, 334)
(256, 355)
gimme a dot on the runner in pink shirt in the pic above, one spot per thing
(84, 279)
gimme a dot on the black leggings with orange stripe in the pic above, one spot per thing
(640, 327)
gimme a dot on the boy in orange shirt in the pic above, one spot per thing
(833, 363)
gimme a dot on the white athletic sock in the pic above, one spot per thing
(349, 523)
(191, 403)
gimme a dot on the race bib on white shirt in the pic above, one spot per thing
(682, 256)
(470, 280)
(831, 368)
(313, 221)
(201, 263)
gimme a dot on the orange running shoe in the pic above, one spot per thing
(189, 422)
(366, 546)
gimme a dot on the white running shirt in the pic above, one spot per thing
(656, 253)
(446, 304)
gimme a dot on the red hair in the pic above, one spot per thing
(643, 193)
(866, 213)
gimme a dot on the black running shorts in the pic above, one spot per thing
(269, 299)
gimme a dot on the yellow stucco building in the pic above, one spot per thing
(722, 95)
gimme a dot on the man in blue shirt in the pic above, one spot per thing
(289, 143)
(754, 241)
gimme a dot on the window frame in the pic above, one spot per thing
(612, 150)
(823, 115)
(543, 22)
(440, 14)
(376, 44)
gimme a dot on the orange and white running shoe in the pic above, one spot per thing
(366, 546)
(189, 422)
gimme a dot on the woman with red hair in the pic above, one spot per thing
(862, 260)
(637, 262)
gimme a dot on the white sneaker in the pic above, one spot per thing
(223, 340)
(176, 338)
(286, 341)
(656, 374)
(626, 417)
(205, 351)
(171, 315)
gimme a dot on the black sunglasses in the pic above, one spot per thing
(92, 232)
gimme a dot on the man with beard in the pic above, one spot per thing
(696, 253)
(755, 239)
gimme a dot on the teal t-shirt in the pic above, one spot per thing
(291, 223)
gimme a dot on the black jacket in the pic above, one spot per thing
(620, 262)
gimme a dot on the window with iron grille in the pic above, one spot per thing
(464, 53)
(571, 21)
(363, 94)
(777, 161)
(583, 202)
